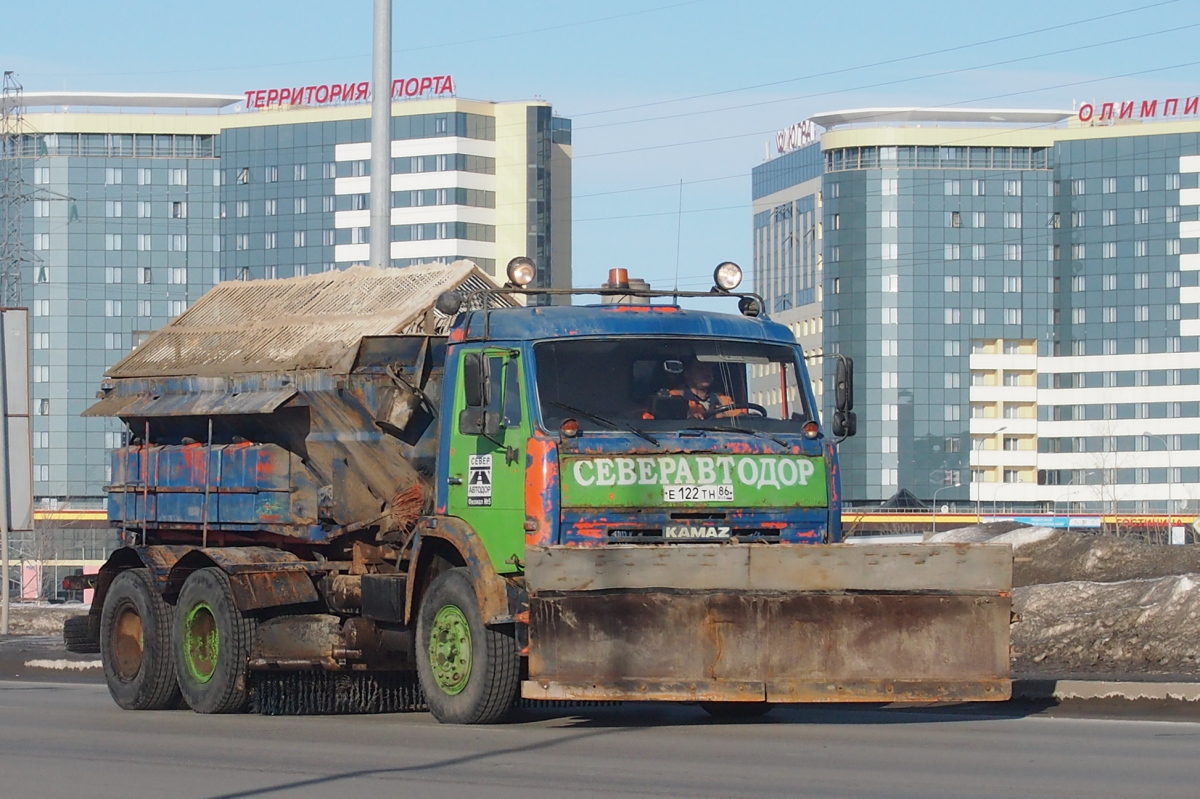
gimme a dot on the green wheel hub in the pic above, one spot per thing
(201, 642)
(450, 650)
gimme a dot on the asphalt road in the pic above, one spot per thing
(63, 740)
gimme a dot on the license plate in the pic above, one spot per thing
(686, 493)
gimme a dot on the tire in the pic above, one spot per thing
(81, 636)
(736, 710)
(468, 672)
(212, 642)
(135, 644)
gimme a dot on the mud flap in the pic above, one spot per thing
(777, 623)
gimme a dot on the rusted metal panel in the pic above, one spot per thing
(801, 646)
(206, 403)
(289, 638)
(253, 590)
(708, 691)
(772, 567)
(311, 322)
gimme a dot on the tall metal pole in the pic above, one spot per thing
(381, 137)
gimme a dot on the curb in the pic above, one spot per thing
(1105, 689)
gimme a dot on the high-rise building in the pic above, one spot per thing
(142, 202)
(1018, 290)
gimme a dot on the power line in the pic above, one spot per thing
(887, 62)
(894, 82)
(943, 105)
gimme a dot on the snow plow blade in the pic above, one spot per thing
(770, 622)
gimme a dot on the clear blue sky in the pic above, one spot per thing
(628, 72)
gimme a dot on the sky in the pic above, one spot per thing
(661, 92)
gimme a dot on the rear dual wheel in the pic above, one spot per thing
(212, 642)
(135, 644)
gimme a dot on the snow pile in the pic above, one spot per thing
(1149, 625)
(64, 665)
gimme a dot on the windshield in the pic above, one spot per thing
(669, 384)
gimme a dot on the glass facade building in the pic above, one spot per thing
(1019, 298)
(134, 215)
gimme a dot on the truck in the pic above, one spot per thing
(396, 489)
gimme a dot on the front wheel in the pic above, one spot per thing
(469, 672)
(212, 641)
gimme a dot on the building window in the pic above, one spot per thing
(978, 284)
(112, 274)
(272, 174)
(241, 208)
(243, 175)
(1141, 313)
(1012, 476)
(300, 205)
(1012, 188)
(112, 241)
(41, 241)
(1108, 218)
(889, 187)
(1141, 248)
(952, 316)
(112, 307)
(177, 275)
(978, 252)
(1078, 186)
(242, 241)
(1108, 249)
(143, 242)
(112, 176)
(953, 380)
(951, 283)
(835, 222)
(953, 348)
(145, 275)
(177, 242)
(327, 237)
(145, 176)
(979, 187)
(1012, 284)
(891, 283)
(1012, 252)
(1012, 316)
(1141, 183)
(1012, 219)
(889, 251)
(1108, 185)
(327, 204)
(269, 207)
(144, 209)
(300, 172)
(1141, 216)
(269, 240)
(953, 187)
(1173, 213)
(1141, 346)
(329, 170)
(952, 252)
(179, 210)
(835, 286)
(1078, 219)
(143, 307)
(112, 208)
(298, 238)
(978, 316)
(177, 177)
(1110, 314)
(112, 341)
(1078, 251)
(890, 219)
(1141, 280)
(953, 219)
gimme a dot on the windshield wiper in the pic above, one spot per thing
(601, 420)
(715, 428)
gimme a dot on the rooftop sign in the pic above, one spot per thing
(1134, 109)
(348, 93)
(799, 135)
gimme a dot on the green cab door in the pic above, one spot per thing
(490, 429)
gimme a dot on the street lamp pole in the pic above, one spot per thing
(935, 505)
(1170, 500)
(979, 490)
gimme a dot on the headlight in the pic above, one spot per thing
(521, 271)
(727, 276)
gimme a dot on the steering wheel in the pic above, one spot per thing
(736, 406)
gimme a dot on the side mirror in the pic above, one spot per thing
(845, 424)
(844, 385)
(475, 380)
(478, 422)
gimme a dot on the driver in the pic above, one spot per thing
(698, 390)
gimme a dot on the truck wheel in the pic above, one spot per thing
(79, 635)
(135, 644)
(212, 644)
(469, 672)
(736, 710)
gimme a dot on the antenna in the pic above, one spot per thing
(14, 191)
(678, 233)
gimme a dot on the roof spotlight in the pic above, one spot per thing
(521, 271)
(727, 276)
